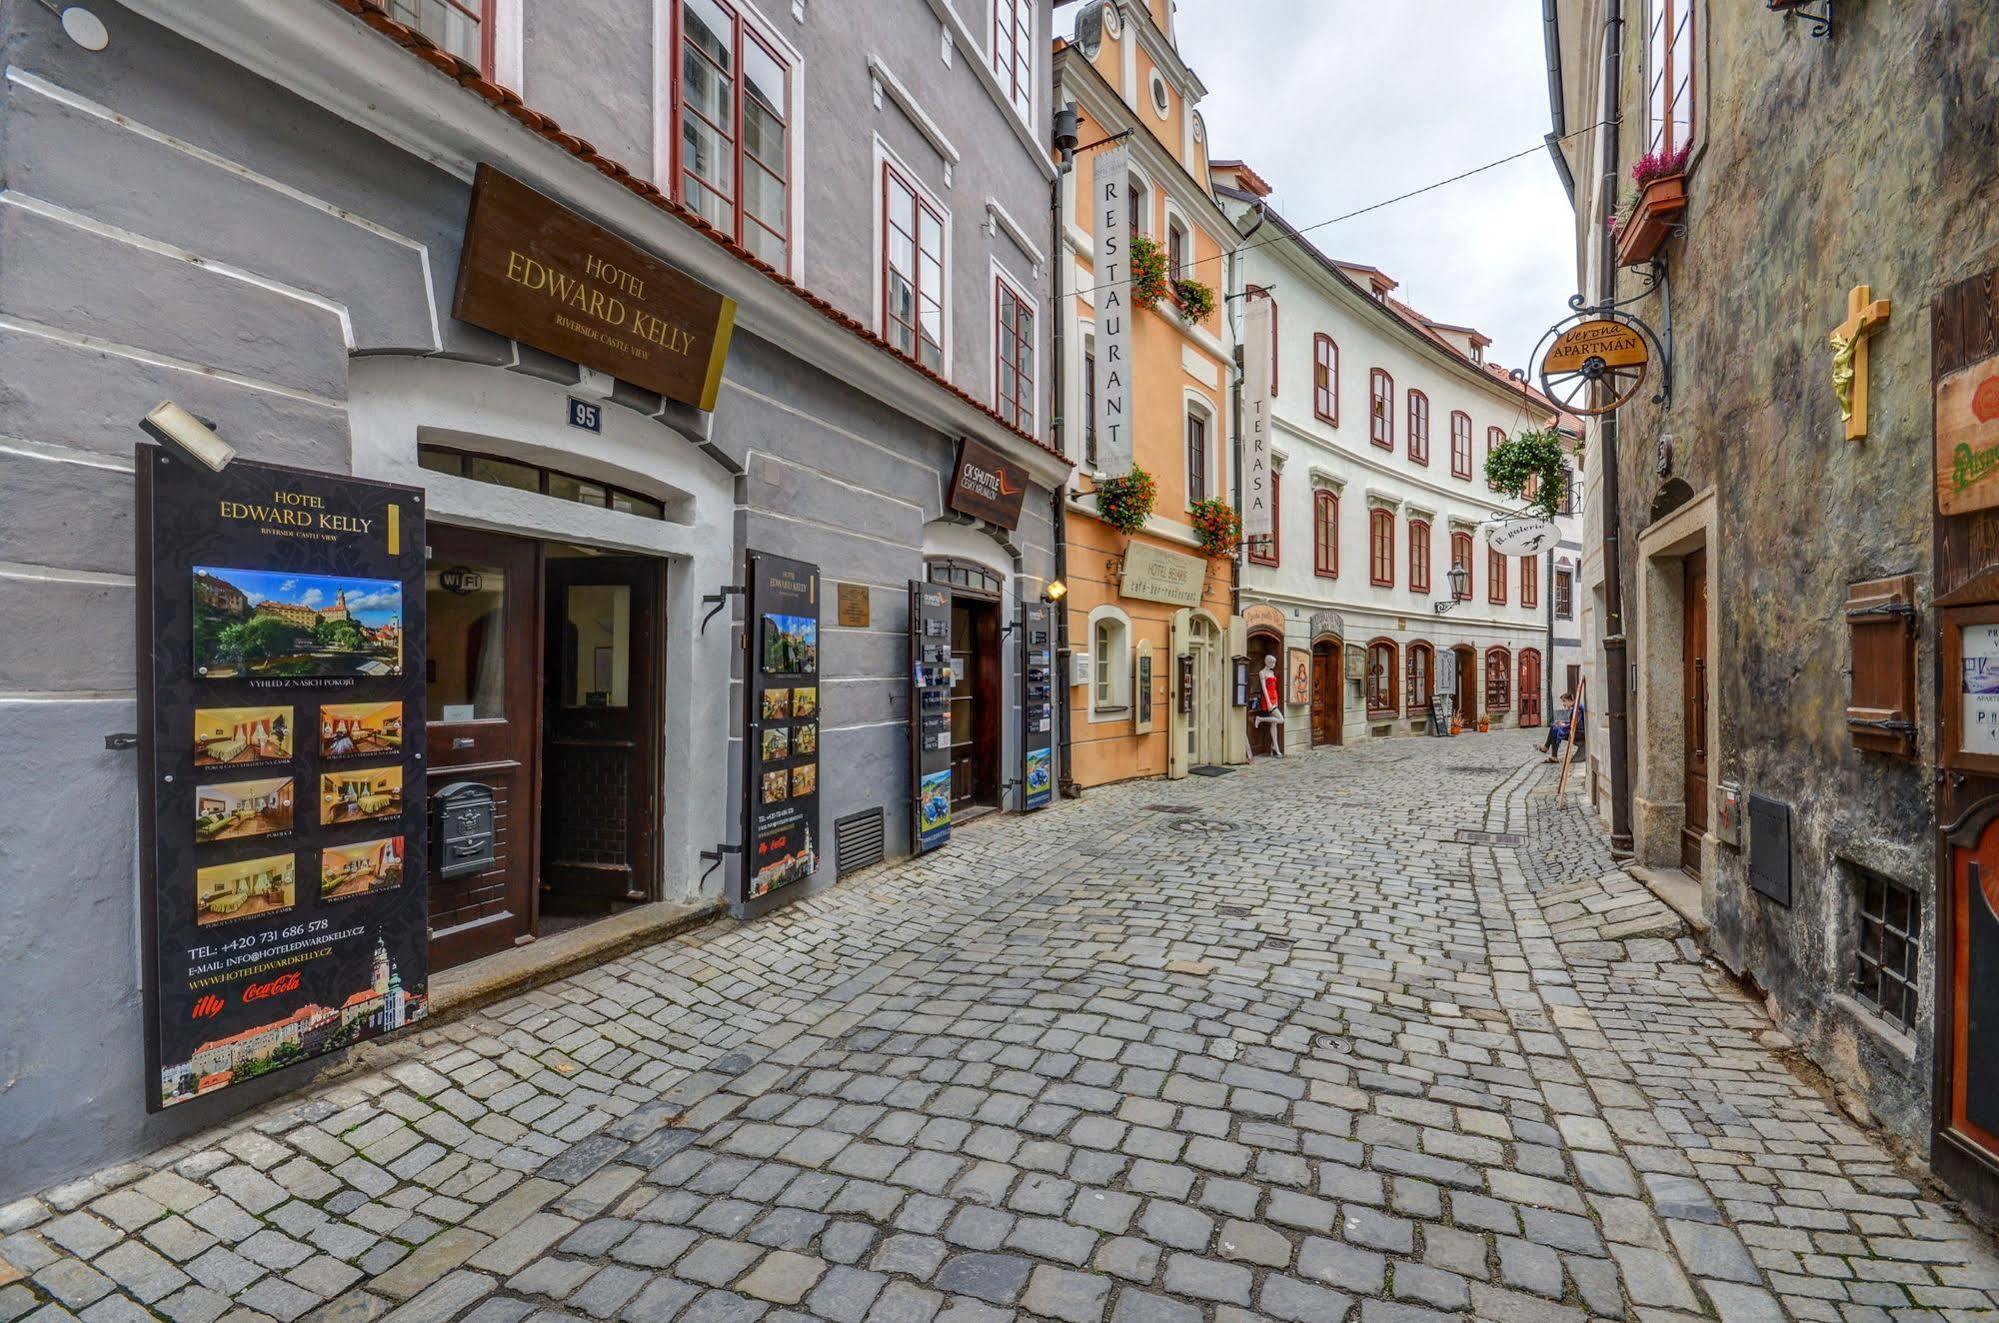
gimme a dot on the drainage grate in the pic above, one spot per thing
(1464, 770)
(1468, 837)
(1212, 771)
(859, 841)
(1171, 808)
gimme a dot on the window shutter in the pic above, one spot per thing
(1881, 619)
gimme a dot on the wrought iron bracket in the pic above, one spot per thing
(1893, 725)
(719, 599)
(717, 855)
(121, 741)
(1445, 607)
(1820, 18)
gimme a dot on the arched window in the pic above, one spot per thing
(1498, 680)
(1326, 534)
(1460, 444)
(1381, 408)
(1141, 207)
(1419, 427)
(1325, 379)
(1530, 581)
(1495, 577)
(1381, 548)
(1110, 664)
(1384, 679)
(1461, 559)
(1419, 556)
(1179, 252)
(1422, 665)
(1495, 437)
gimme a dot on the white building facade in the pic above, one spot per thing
(1382, 420)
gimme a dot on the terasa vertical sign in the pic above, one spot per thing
(1258, 515)
(1109, 171)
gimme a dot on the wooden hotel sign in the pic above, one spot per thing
(539, 273)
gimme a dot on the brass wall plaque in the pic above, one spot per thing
(854, 613)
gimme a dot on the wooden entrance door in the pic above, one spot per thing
(482, 593)
(1694, 682)
(1530, 688)
(600, 747)
(1470, 676)
(1328, 684)
(975, 703)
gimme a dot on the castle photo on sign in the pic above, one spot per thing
(270, 623)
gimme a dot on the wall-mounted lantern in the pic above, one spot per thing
(1460, 580)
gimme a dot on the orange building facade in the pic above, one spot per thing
(1152, 626)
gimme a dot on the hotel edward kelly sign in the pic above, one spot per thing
(537, 272)
(987, 486)
(281, 788)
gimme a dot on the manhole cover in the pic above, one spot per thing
(1233, 911)
(1171, 808)
(1201, 827)
(1491, 838)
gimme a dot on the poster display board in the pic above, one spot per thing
(929, 716)
(281, 695)
(781, 726)
(1037, 706)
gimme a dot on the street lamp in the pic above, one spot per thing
(1460, 578)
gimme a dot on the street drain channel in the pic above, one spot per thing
(1468, 837)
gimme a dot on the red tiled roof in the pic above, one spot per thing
(467, 75)
(307, 1013)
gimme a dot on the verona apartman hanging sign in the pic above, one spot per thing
(1110, 172)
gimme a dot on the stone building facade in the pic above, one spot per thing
(256, 209)
(1782, 606)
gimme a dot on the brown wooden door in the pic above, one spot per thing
(1530, 688)
(1694, 679)
(600, 746)
(1327, 682)
(1470, 676)
(483, 596)
(975, 702)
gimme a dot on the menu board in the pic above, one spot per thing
(781, 726)
(929, 715)
(1037, 706)
(281, 622)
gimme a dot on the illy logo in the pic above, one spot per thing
(210, 1004)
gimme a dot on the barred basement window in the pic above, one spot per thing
(1889, 937)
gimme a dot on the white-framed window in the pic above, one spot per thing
(1015, 351)
(1110, 664)
(1138, 197)
(1202, 479)
(912, 292)
(1179, 249)
(1013, 52)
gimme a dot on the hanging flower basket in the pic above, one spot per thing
(1123, 503)
(1217, 525)
(1148, 273)
(1536, 461)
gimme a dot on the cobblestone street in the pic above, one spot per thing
(1362, 1034)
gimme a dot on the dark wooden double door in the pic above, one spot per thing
(977, 704)
(1328, 692)
(544, 678)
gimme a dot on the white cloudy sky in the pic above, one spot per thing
(1342, 103)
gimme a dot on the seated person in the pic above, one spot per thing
(1558, 729)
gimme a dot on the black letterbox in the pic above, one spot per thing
(461, 830)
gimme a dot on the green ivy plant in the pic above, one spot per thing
(1514, 464)
(1124, 502)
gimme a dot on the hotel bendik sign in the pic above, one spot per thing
(537, 272)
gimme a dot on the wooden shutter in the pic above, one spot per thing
(1881, 620)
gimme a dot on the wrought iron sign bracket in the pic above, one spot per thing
(719, 599)
(121, 741)
(1820, 18)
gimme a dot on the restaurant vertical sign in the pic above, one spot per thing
(281, 685)
(1110, 175)
(1259, 518)
(781, 727)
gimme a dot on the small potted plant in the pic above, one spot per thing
(1194, 300)
(1124, 502)
(1650, 211)
(1148, 273)
(1217, 525)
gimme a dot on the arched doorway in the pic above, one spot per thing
(1328, 691)
(1530, 686)
(1264, 644)
(1469, 679)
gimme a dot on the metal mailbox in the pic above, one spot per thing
(461, 830)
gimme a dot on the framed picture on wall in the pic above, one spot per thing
(1969, 740)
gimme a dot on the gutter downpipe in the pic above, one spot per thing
(1059, 498)
(1616, 668)
(1551, 40)
(1237, 287)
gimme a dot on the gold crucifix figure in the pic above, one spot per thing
(1864, 316)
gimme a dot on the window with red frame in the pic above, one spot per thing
(1495, 577)
(1422, 664)
(1498, 681)
(912, 271)
(1013, 51)
(1326, 535)
(1530, 581)
(1381, 407)
(1326, 379)
(734, 140)
(1419, 427)
(463, 27)
(1419, 556)
(1461, 559)
(1670, 74)
(1495, 437)
(1460, 444)
(1263, 550)
(1384, 679)
(1013, 338)
(1381, 548)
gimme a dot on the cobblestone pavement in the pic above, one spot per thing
(1296, 1043)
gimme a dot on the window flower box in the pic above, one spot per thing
(1659, 207)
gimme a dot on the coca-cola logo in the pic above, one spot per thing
(281, 984)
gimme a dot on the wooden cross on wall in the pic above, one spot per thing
(1864, 316)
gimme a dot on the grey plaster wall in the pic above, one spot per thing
(1808, 183)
